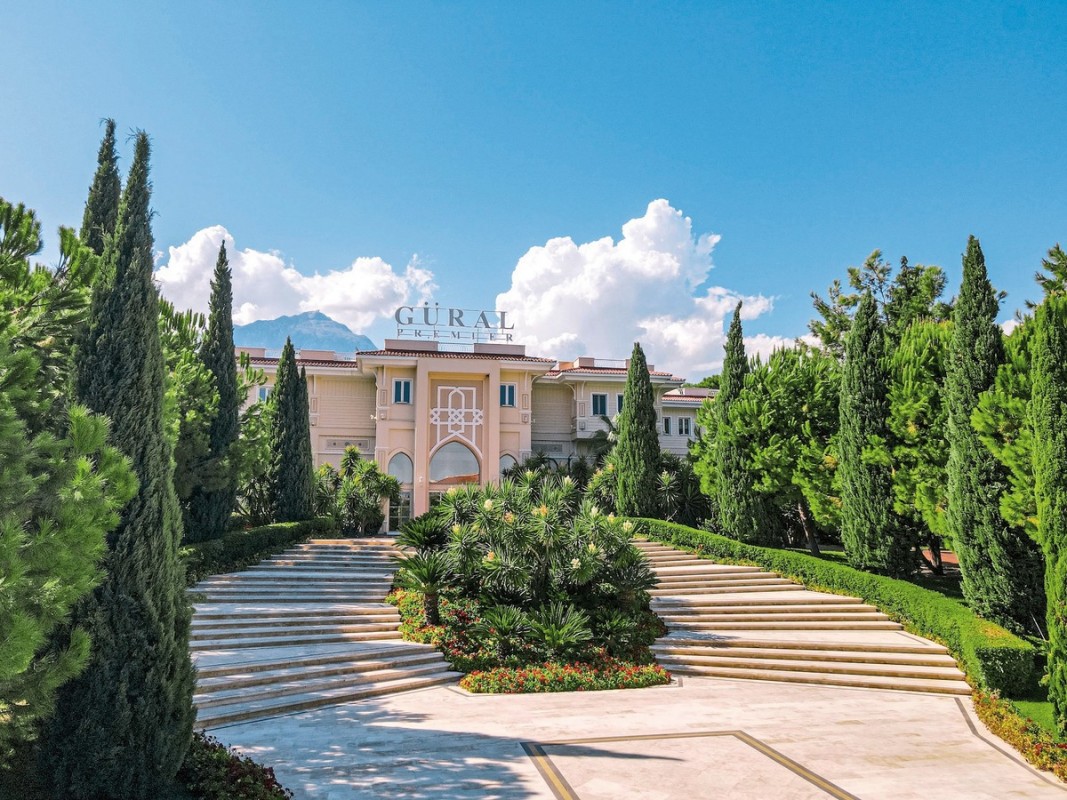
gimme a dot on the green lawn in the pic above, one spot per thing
(1038, 708)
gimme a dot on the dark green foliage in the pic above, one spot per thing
(239, 549)
(122, 728)
(354, 495)
(637, 450)
(726, 471)
(210, 508)
(869, 531)
(61, 485)
(991, 657)
(214, 772)
(102, 208)
(1000, 565)
(1049, 418)
(292, 471)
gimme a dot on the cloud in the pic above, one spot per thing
(1009, 325)
(265, 287)
(597, 298)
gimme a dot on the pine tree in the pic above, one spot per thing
(725, 461)
(210, 508)
(61, 486)
(917, 418)
(122, 728)
(292, 471)
(102, 207)
(1000, 565)
(1049, 418)
(869, 534)
(637, 450)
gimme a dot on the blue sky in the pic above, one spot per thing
(804, 134)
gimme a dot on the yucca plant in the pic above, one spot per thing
(562, 630)
(428, 574)
(617, 632)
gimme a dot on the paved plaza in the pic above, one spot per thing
(704, 738)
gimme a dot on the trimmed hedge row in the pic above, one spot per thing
(992, 657)
(239, 549)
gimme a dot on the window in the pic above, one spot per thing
(507, 395)
(618, 403)
(685, 426)
(454, 463)
(400, 467)
(600, 405)
(264, 392)
(666, 426)
(401, 391)
(507, 461)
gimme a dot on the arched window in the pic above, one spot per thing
(400, 468)
(507, 461)
(454, 463)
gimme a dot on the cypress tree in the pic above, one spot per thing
(122, 728)
(869, 532)
(102, 207)
(637, 451)
(292, 471)
(1000, 565)
(1048, 412)
(743, 512)
(210, 508)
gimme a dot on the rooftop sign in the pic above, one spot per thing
(466, 325)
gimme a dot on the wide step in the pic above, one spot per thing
(757, 625)
(304, 702)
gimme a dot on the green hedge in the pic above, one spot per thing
(992, 657)
(238, 549)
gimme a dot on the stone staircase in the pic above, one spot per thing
(743, 622)
(301, 630)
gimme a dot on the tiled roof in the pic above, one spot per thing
(605, 371)
(305, 362)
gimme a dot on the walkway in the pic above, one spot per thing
(707, 738)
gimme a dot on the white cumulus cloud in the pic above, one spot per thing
(598, 298)
(265, 287)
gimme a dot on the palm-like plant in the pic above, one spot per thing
(561, 629)
(505, 625)
(424, 533)
(428, 574)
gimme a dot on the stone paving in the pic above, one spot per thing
(708, 737)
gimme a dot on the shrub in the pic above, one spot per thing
(992, 657)
(605, 674)
(213, 772)
(238, 549)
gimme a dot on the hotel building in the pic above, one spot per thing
(434, 418)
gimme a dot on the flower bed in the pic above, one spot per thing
(606, 674)
(1036, 744)
(211, 771)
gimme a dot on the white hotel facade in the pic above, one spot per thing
(435, 417)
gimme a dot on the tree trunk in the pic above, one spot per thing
(934, 562)
(431, 607)
(809, 531)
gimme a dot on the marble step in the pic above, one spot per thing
(306, 684)
(228, 611)
(236, 633)
(928, 685)
(784, 625)
(245, 623)
(774, 614)
(229, 643)
(702, 590)
(680, 639)
(246, 662)
(807, 599)
(348, 664)
(301, 702)
(846, 654)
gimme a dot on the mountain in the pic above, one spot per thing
(312, 330)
